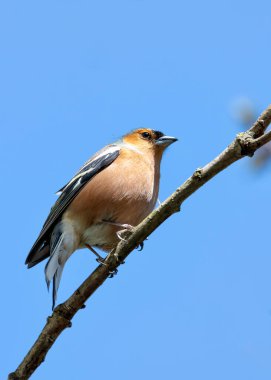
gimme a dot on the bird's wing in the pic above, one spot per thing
(93, 166)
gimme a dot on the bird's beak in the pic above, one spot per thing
(165, 140)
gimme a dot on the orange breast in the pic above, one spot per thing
(125, 192)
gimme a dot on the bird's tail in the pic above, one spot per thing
(58, 258)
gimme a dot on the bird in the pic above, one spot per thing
(111, 193)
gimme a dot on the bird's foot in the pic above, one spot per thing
(103, 262)
(126, 232)
(140, 246)
(99, 259)
(113, 273)
(118, 259)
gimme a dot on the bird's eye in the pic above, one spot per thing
(146, 135)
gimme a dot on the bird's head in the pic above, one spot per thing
(146, 139)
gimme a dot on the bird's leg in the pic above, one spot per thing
(102, 261)
(115, 271)
(126, 227)
(99, 259)
(129, 228)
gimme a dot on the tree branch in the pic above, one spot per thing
(245, 144)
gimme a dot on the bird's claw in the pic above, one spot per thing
(141, 245)
(118, 259)
(112, 273)
(123, 234)
(101, 260)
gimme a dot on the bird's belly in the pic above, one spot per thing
(100, 235)
(114, 195)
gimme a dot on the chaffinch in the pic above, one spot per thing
(114, 190)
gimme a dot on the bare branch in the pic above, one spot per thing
(245, 144)
(260, 126)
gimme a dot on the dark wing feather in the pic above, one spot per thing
(93, 166)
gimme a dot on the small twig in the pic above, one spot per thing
(261, 124)
(245, 144)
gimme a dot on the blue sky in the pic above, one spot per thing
(76, 75)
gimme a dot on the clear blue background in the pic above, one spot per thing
(76, 75)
